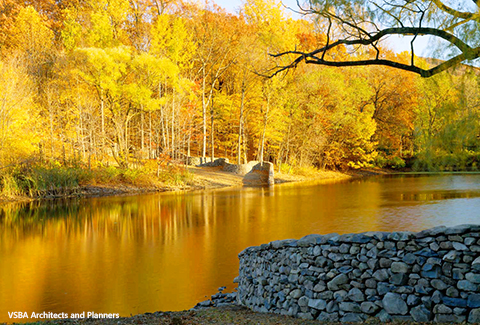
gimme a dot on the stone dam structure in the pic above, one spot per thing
(432, 275)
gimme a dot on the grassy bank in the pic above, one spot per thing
(52, 180)
(34, 181)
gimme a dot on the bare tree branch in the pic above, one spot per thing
(356, 30)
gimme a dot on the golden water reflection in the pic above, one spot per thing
(136, 254)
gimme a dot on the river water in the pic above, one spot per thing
(136, 254)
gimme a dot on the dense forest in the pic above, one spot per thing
(130, 83)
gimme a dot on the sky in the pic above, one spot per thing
(399, 44)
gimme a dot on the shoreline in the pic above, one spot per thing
(208, 179)
(204, 178)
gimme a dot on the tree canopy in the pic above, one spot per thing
(360, 26)
(132, 82)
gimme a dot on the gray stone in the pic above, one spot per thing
(384, 287)
(473, 301)
(307, 316)
(370, 293)
(318, 304)
(409, 258)
(332, 307)
(340, 295)
(353, 318)
(399, 279)
(335, 257)
(474, 316)
(427, 302)
(372, 263)
(345, 269)
(421, 289)
(431, 232)
(442, 309)
(368, 307)
(467, 259)
(476, 264)
(466, 285)
(431, 271)
(394, 304)
(371, 283)
(385, 262)
(455, 238)
(282, 243)
(446, 245)
(434, 246)
(337, 281)
(434, 261)
(469, 241)
(454, 302)
(462, 229)
(452, 292)
(421, 314)
(354, 250)
(413, 300)
(344, 248)
(326, 295)
(303, 301)
(460, 311)
(384, 317)
(446, 318)
(404, 290)
(457, 274)
(437, 297)
(328, 317)
(206, 303)
(459, 246)
(438, 284)
(350, 307)
(356, 294)
(473, 277)
(399, 267)
(380, 275)
(319, 287)
(297, 293)
(309, 240)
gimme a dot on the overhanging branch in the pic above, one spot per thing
(467, 53)
(454, 12)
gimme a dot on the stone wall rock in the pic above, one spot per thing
(261, 174)
(432, 275)
(241, 169)
(207, 162)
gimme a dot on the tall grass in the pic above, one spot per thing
(56, 180)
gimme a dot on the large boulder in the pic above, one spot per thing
(261, 174)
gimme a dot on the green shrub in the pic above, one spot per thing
(396, 162)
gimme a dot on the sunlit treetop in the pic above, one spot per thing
(363, 24)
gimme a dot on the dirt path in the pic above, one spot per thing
(215, 177)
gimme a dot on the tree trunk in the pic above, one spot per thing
(173, 124)
(265, 120)
(102, 106)
(212, 131)
(204, 115)
(150, 140)
(240, 127)
(142, 135)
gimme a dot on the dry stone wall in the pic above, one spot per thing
(433, 275)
